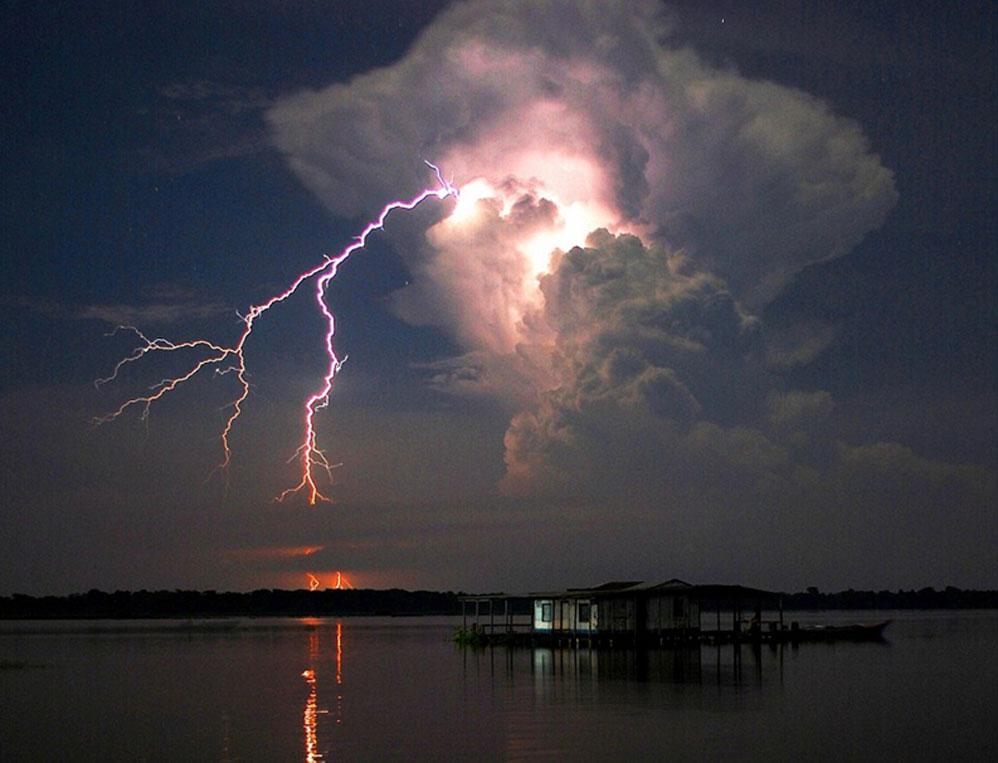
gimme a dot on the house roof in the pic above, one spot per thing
(610, 589)
(611, 586)
(713, 592)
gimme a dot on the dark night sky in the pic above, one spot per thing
(156, 169)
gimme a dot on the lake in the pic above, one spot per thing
(398, 688)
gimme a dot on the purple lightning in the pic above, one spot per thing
(309, 454)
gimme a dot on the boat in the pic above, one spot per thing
(855, 632)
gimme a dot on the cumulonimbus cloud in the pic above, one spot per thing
(626, 211)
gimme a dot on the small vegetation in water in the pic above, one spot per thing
(481, 638)
(470, 638)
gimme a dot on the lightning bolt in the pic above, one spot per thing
(232, 360)
(342, 583)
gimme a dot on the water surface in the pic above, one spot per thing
(397, 688)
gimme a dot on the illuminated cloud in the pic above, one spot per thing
(627, 211)
(643, 352)
(589, 105)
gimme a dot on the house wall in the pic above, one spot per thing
(565, 615)
(582, 616)
(617, 614)
(669, 612)
(543, 615)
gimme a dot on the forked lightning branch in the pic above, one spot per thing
(231, 360)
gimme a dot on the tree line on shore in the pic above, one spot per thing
(399, 602)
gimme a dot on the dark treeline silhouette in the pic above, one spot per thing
(398, 602)
(923, 598)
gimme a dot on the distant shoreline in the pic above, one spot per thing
(129, 605)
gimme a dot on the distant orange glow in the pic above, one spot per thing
(292, 575)
(272, 552)
(340, 581)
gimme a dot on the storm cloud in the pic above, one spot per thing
(628, 210)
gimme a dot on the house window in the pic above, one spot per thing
(546, 612)
(584, 611)
(678, 607)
